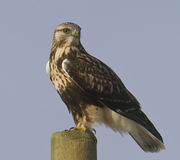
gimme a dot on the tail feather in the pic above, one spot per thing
(140, 117)
(138, 126)
(147, 141)
(144, 132)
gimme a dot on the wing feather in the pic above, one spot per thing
(99, 81)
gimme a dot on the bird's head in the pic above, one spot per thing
(67, 34)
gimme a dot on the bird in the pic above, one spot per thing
(93, 93)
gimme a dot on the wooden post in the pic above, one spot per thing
(73, 145)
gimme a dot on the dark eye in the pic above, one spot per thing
(66, 30)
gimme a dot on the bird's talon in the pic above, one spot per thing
(71, 128)
(80, 128)
(94, 131)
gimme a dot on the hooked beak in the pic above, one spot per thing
(75, 33)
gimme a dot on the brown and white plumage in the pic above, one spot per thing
(94, 93)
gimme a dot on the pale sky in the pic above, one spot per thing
(139, 40)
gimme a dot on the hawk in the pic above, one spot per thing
(94, 93)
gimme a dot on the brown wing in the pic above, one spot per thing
(100, 82)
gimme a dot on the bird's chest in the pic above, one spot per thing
(58, 76)
(69, 91)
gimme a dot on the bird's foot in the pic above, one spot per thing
(80, 128)
(71, 128)
(77, 128)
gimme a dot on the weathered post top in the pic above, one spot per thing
(73, 145)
